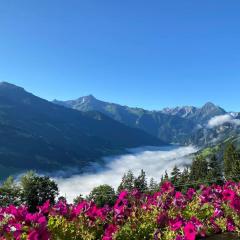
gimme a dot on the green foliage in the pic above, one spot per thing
(37, 190)
(10, 193)
(140, 183)
(61, 228)
(209, 151)
(166, 177)
(78, 199)
(214, 170)
(140, 225)
(153, 186)
(127, 182)
(175, 175)
(199, 169)
(62, 199)
(184, 180)
(103, 195)
(231, 162)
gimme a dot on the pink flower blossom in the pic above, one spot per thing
(228, 194)
(122, 195)
(176, 223)
(189, 231)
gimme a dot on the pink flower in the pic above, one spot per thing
(197, 223)
(217, 213)
(45, 207)
(81, 207)
(33, 235)
(179, 200)
(179, 237)
(167, 187)
(176, 224)
(162, 220)
(109, 232)
(61, 208)
(228, 194)
(42, 220)
(190, 193)
(31, 217)
(230, 225)
(136, 194)
(178, 195)
(235, 203)
(189, 231)
(122, 195)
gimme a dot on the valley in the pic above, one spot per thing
(154, 160)
(56, 136)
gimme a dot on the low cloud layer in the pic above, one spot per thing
(220, 120)
(154, 161)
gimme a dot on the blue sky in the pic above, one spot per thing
(150, 54)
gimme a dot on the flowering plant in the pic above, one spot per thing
(166, 214)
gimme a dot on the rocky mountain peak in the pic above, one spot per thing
(88, 98)
(209, 105)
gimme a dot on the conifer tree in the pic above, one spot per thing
(162, 180)
(140, 183)
(214, 170)
(127, 182)
(175, 175)
(231, 161)
(153, 186)
(184, 180)
(236, 169)
(166, 178)
(199, 169)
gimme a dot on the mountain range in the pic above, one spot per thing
(49, 136)
(38, 134)
(180, 125)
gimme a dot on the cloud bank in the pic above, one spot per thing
(220, 120)
(153, 160)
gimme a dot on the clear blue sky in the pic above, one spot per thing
(149, 54)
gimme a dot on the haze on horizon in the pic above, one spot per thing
(155, 55)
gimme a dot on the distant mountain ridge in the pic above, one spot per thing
(37, 134)
(199, 115)
(175, 125)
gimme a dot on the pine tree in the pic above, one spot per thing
(199, 169)
(127, 182)
(214, 170)
(153, 186)
(236, 169)
(166, 178)
(184, 180)
(140, 182)
(231, 161)
(175, 175)
(162, 180)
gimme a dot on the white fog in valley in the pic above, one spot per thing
(153, 160)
